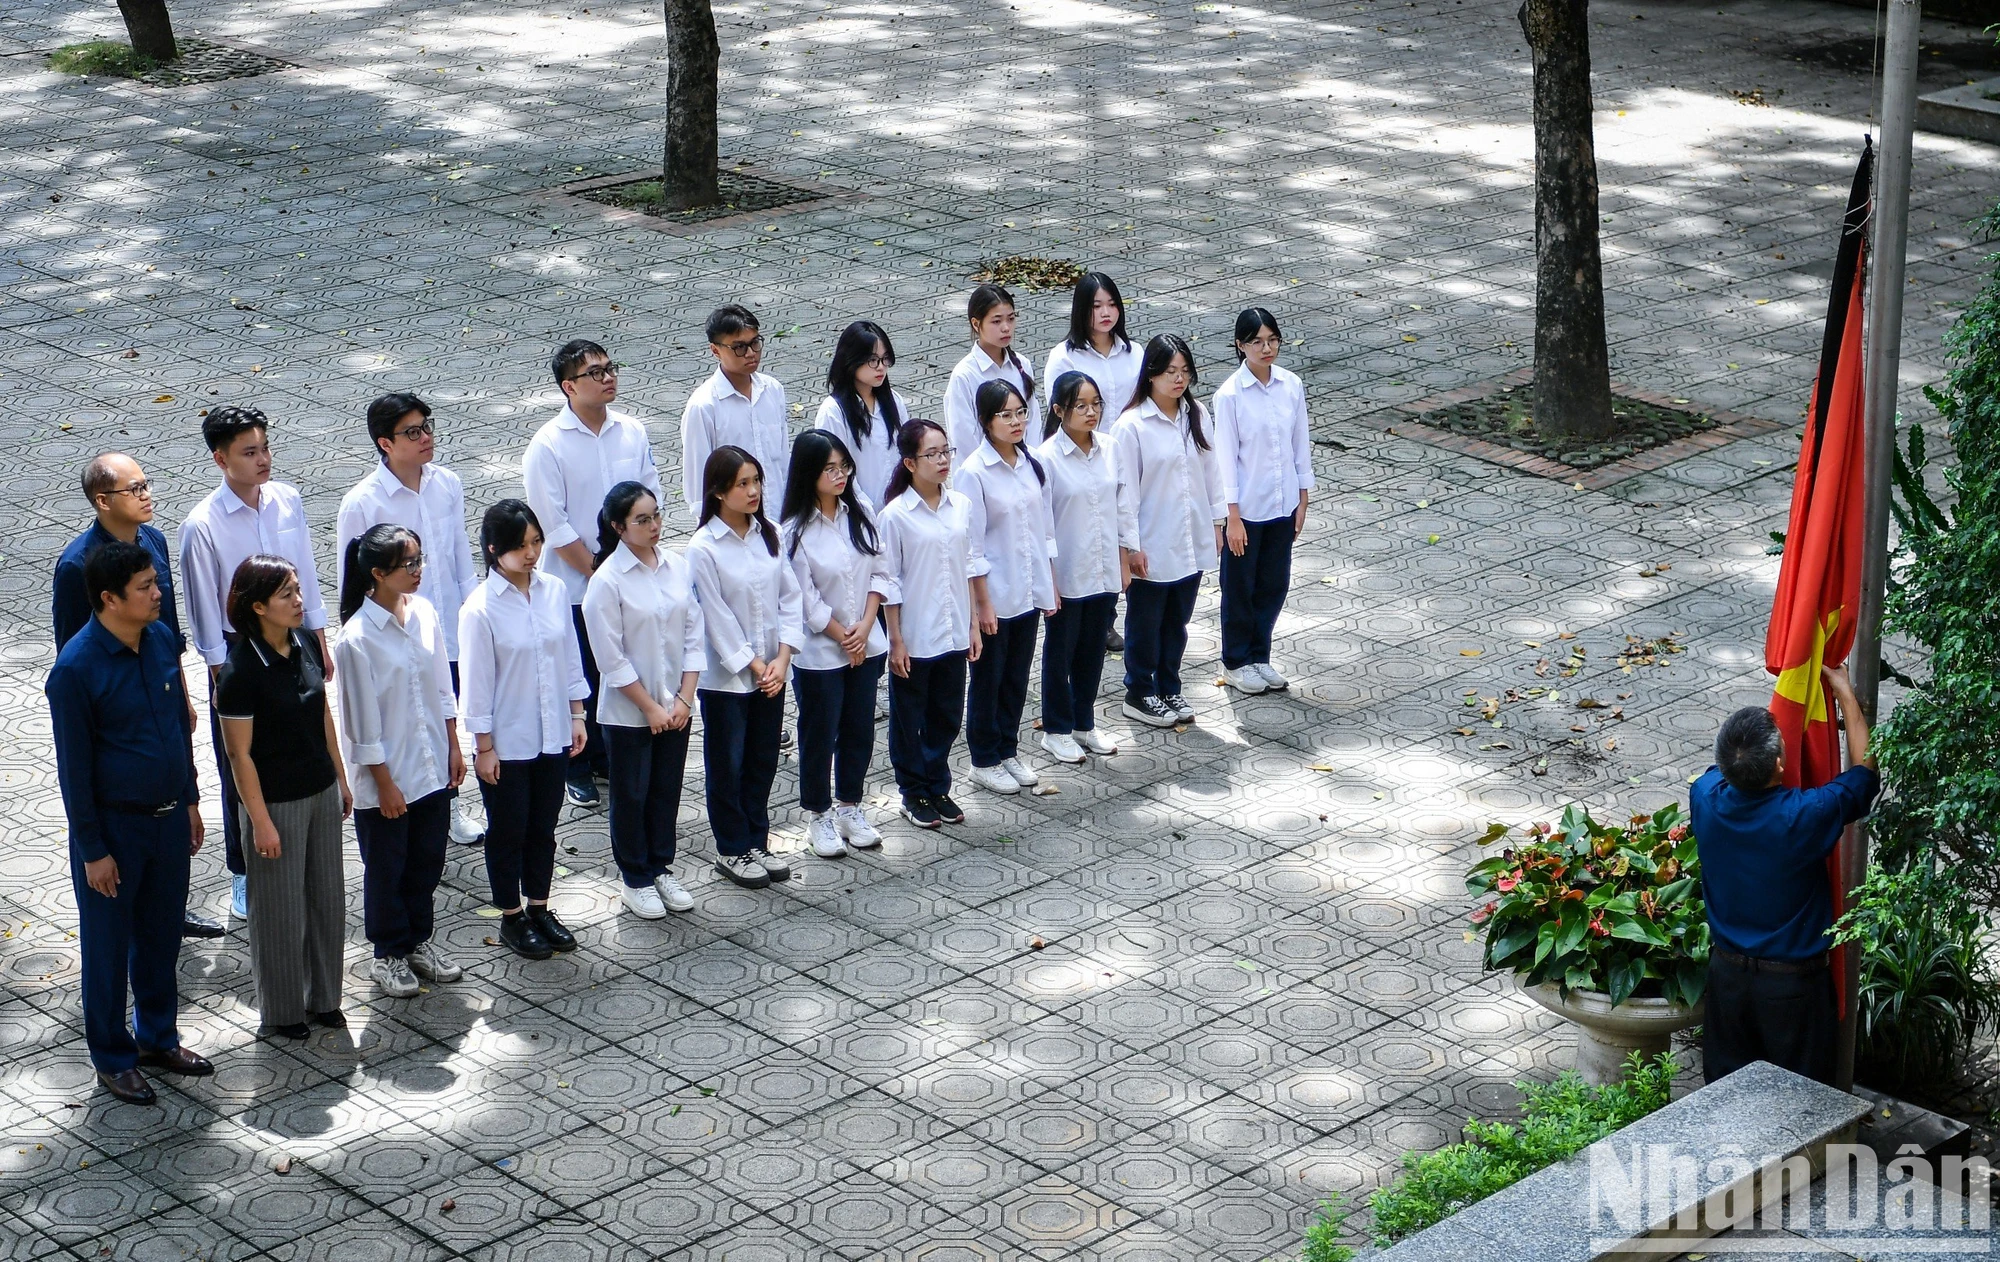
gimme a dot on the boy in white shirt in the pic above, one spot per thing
(738, 406)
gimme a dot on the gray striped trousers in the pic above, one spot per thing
(298, 909)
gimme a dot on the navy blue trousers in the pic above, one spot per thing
(739, 753)
(134, 939)
(836, 731)
(998, 689)
(926, 711)
(1156, 623)
(232, 842)
(402, 860)
(521, 814)
(1073, 663)
(646, 771)
(1253, 590)
(593, 759)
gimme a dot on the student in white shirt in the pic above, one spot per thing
(407, 489)
(833, 546)
(1170, 514)
(1090, 567)
(248, 515)
(1012, 579)
(862, 408)
(750, 610)
(737, 406)
(523, 702)
(1265, 453)
(927, 541)
(646, 627)
(399, 737)
(992, 358)
(571, 463)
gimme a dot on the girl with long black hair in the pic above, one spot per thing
(1097, 344)
(862, 408)
(1090, 568)
(990, 310)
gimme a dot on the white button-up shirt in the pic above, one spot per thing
(1116, 375)
(875, 457)
(835, 578)
(436, 511)
(929, 553)
(395, 699)
(645, 627)
(220, 534)
(961, 394)
(520, 667)
(1083, 499)
(1013, 537)
(1261, 443)
(749, 603)
(1169, 493)
(718, 415)
(567, 473)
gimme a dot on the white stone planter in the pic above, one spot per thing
(1607, 1034)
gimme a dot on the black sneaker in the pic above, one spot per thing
(519, 935)
(947, 809)
(299, 1030)
(1151, 711)
(332, 1019)
(581, 792)
(919, 811)
(1182, 708)
(551, 929)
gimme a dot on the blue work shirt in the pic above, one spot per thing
(121, 728)
(1763, 860)
(72, 602)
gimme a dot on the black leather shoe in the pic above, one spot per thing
(1114, 642)
(551, 929)
(130, 1086)
(300, 1031)
(178, 1061)
(193, 926)
(334, 1020)
(519, 935)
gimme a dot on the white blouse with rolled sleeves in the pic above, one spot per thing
(395, 699)
(1116, 375)
(1013, 536)
(1083, 499)
(928, 551)
(875, 456)
(645, 627)
(834, 579)
(961, 398)
(749, 603)
(1169, 493)
(519, 665)
(1262, 444)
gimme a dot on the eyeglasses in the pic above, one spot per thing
(1011, 414)
(884, 362)
(1179, 374)
(836, 470)
(940, 453)
(1263, 343)
(639, 521)
(599, 373)
(414, 432)
(743, 348)
(414, 565)
(1094, 405)
(141, 489)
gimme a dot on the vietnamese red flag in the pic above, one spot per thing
(1819, 583)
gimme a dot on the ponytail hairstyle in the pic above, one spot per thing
(908, 443)
(505, 528)
(860, 342)
(377, 548)
(991, 398)
(1248, 321)
(725, 463)
(810, 453)
(619, 502)
(984, 299)
(1083, 298)
(1062, 397)
(1160, 352)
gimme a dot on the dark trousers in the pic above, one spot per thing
(646, 771)
(739, 752)
(592, 759)
(1073, 663)
(836, 731)
(1253, 590)
(402, 860)
(521, 814)
(998, 688)
(232, 840)
(926, 711)
(133, 939)
(1785, 1018)
(1156, 623)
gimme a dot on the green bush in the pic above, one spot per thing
(101, 56)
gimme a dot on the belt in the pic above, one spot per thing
(141, 808)
(1752, 964)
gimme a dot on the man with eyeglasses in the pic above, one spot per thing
(572, 462)
(407, 489)
(737, 406)
(118, 492)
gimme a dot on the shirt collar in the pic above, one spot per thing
(983, 363)
(110, 643)
(231, 501)
(916, 501)
(1067, 445)
(623, 558)
(1149, 408)
(377, 616)
(568, 419)
(1248, 380)
(718, 529)
(390, 484)
(725, 388)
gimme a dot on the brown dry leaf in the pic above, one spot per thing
(449, 1204)
(165, 398)
(1578, 727)
(1590, 703)
(1470, 652)
(1036, 944)
(491, 941)
(1463, 731)
(1566, 635)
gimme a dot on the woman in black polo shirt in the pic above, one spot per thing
(285, 756)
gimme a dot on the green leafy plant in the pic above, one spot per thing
(101, 56)
(1599, 907)
(1323, 1237)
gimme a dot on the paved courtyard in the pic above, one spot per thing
(1159, 1013)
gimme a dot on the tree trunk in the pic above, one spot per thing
(1572, 369)
(151, 30)
(693, 57)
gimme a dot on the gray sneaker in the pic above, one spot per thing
(744, 870)
(774, 866)
(395, 978)
(432, 964)
(1272, 679)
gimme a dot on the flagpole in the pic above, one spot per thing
(1889, 251)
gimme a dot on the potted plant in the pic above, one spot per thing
(1603, 925)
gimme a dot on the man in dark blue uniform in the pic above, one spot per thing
(122, 498)
(125, 761)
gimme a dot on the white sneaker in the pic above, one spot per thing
(1023, 774)
(995, 779)
(1246, 679)
(643, 902)
(774, 866)
(854, 827)
(465, 830)
(395, 978)
(823, 836)
(429, 962)
(1062, 747)
(1097, 742)
(673, 895)
(1271, 676)
(744, 870)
